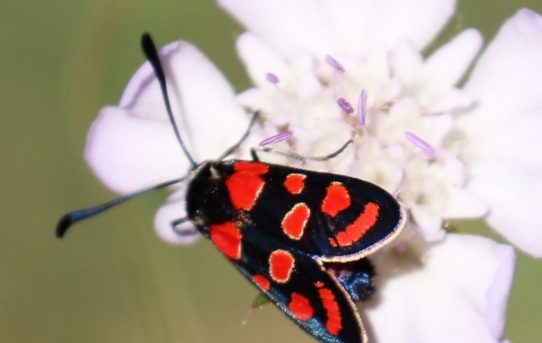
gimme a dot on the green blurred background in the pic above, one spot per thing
(113, 280)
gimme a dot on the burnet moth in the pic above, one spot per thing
(301, 237)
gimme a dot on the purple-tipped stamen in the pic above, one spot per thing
(279, 137)
(420, 143)
(272, 78)
(362, 107)
(345, 105)
(335, 64)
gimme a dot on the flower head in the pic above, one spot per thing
(441, 147)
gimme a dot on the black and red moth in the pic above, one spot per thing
(300, 236)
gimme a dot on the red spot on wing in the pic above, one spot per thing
(262, 282)
(294, 222)
(255, 168)
(337, 199)
(333, 312)
(363, 223)
(245, 184)
(227, 238)
(300, 307)
(295, 183)
(281, 265)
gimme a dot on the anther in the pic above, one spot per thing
(272, 78)
(279, 137)
(425, 147)
(362, 107)
(345, 105)
(335, 64)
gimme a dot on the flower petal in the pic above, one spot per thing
(201, 97)
(513, 195)
(506, 80)
(128, 153)
(352, 27)
(447, 65)
(173, 209)
(133, 146)
(462, 204)
(290, 27)
(259, 59)
(363, 25)
(458, 295)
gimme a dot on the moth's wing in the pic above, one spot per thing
(349, 218)
(314, 299)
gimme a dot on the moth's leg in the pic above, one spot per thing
(302, 159)
(236, 146)
(254, 155)
(184, 232)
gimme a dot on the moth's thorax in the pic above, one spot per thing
(207, 197)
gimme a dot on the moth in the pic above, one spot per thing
(300, 237)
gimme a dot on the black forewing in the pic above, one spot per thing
(307, 279)
(275, 201)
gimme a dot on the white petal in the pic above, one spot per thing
(514, 196)
(448, 64)
(406, 61)
(429, 224)
(352, 27)
(134, 146)
(516, 141)
(260, 60)
(202, 99)
(459, 294)
(507, 79)
(128, 153)
(173, 209)
(462, 204)
(290, 27)
(362, 25)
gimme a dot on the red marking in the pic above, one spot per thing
(294, 222)
(334, 317)
(227, 238)
(262, 282)
(319, 284)
(281, 265)
(300, 307)
(363, 223)
(245, 184)
(295, 183)
(256, 168)
(336, 200)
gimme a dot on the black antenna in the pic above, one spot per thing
(152, 55)
(75, 216)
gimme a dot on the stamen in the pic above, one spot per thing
(279, 137)
(272, 78)
(345, 105)
(425, 147)
(362, 107)
(335, 64)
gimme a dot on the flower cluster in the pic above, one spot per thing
(324, 73)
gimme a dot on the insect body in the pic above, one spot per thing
(301, 237)
(291, 232)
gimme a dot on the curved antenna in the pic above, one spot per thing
(76, 216)
(147, 44)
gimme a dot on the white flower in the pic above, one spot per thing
(455, 291)
(355, 69)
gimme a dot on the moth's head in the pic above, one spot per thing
(207, 196)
